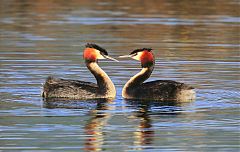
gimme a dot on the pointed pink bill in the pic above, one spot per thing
(108, 57)
(125, 56)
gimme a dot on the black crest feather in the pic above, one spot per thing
(95, 46)
(140, 50)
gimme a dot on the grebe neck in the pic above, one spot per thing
(106, 86)
(139, 78)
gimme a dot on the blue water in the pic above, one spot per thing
(195, 42)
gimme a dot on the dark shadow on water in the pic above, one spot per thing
(158, 107)
(52, 103)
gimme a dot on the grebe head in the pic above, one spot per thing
(94, 52)
(144, 55)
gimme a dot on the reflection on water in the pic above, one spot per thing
(144, 134)
(94, 128)
(195, 42)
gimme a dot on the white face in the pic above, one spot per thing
(137, 56)
(99, 55)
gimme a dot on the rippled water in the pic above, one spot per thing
(196, 42)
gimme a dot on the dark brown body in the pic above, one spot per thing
(62, 88)
(164, 90)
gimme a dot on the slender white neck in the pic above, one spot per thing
(139, 78)
(104, 83)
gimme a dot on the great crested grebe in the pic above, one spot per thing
(154, 90)
(62, 88)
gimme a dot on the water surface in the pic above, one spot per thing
(195, 42)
